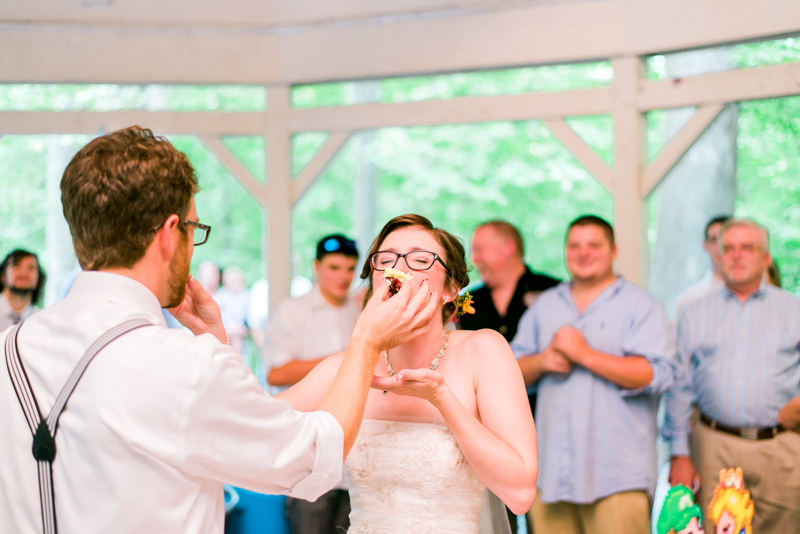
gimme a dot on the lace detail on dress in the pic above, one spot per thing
(411, 478)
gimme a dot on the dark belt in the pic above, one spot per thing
(751, 433)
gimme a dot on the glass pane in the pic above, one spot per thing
(743, 56)
(304, 147)
(251, 151)
(443, 86)
(328, 207)
(597, 131)
(663, 125)
(236, 218)
(460, 176)
(768, 189)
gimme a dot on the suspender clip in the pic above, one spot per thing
(44, 445)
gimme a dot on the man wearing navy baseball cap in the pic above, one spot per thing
(336, 244)
(301, 333)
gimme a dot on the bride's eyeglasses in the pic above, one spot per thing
(416, 260)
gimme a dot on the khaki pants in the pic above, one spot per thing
(771, 470)
(621, 513)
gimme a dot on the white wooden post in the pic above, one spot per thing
(630, 212)
(279, 194)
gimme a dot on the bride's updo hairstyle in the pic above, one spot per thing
(455, 256)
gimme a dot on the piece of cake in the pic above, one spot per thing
(394, 279)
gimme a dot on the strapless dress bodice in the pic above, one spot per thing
(412, 478)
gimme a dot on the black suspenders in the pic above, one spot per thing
(44, 429)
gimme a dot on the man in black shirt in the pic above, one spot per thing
(509, 287)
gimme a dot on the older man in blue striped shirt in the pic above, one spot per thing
(600, 350)
(740, 352)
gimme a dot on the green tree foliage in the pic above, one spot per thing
(23, 190)
(768, 177)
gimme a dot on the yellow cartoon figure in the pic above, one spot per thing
(731, 508)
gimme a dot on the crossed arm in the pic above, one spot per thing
(569, 348)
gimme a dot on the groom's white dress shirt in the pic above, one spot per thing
(158, 422)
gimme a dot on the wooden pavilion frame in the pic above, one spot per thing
(309, 41)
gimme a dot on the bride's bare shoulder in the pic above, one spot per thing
(481, 343)
(482, 336)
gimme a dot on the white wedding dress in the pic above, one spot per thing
(411, 478)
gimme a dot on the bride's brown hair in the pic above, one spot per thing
(456, 261)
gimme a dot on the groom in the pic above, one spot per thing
(161, 418)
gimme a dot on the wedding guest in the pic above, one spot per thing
(600, 352)
(302, 332)
(774, 273)
(740, 352)
(160, 418)
(209, 275)
(258, 311)
(509, 287)
(21, 283)
(233, 298)
(713, 279)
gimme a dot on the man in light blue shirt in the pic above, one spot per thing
(740, 351)
(599, 351)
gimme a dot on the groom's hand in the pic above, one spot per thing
(388, 322)
(199, 312)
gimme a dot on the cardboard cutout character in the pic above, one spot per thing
(731, 508)
(680, 514)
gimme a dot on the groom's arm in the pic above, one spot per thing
(382, 325)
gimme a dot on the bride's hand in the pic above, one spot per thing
(199, 312)
(422, 383)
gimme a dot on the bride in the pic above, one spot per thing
(433, 436)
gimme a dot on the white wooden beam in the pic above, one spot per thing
(715, 88)
(237, 13)
(279, 195)
(630, 211)
(721, 87)
(528, 34)
(162, 122)
(453, 111)
(677, 147)
(583, 152)
(233, 164)
(318, 164)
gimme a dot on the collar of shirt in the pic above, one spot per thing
(7, 311)
(758, 293)
(317, 300)
(565, 292)
(117, 288)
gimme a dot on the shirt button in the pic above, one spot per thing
(503, 329)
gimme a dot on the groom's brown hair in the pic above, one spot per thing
(118, 189)
(456, 261)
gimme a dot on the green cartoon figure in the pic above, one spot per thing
(680, 515)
